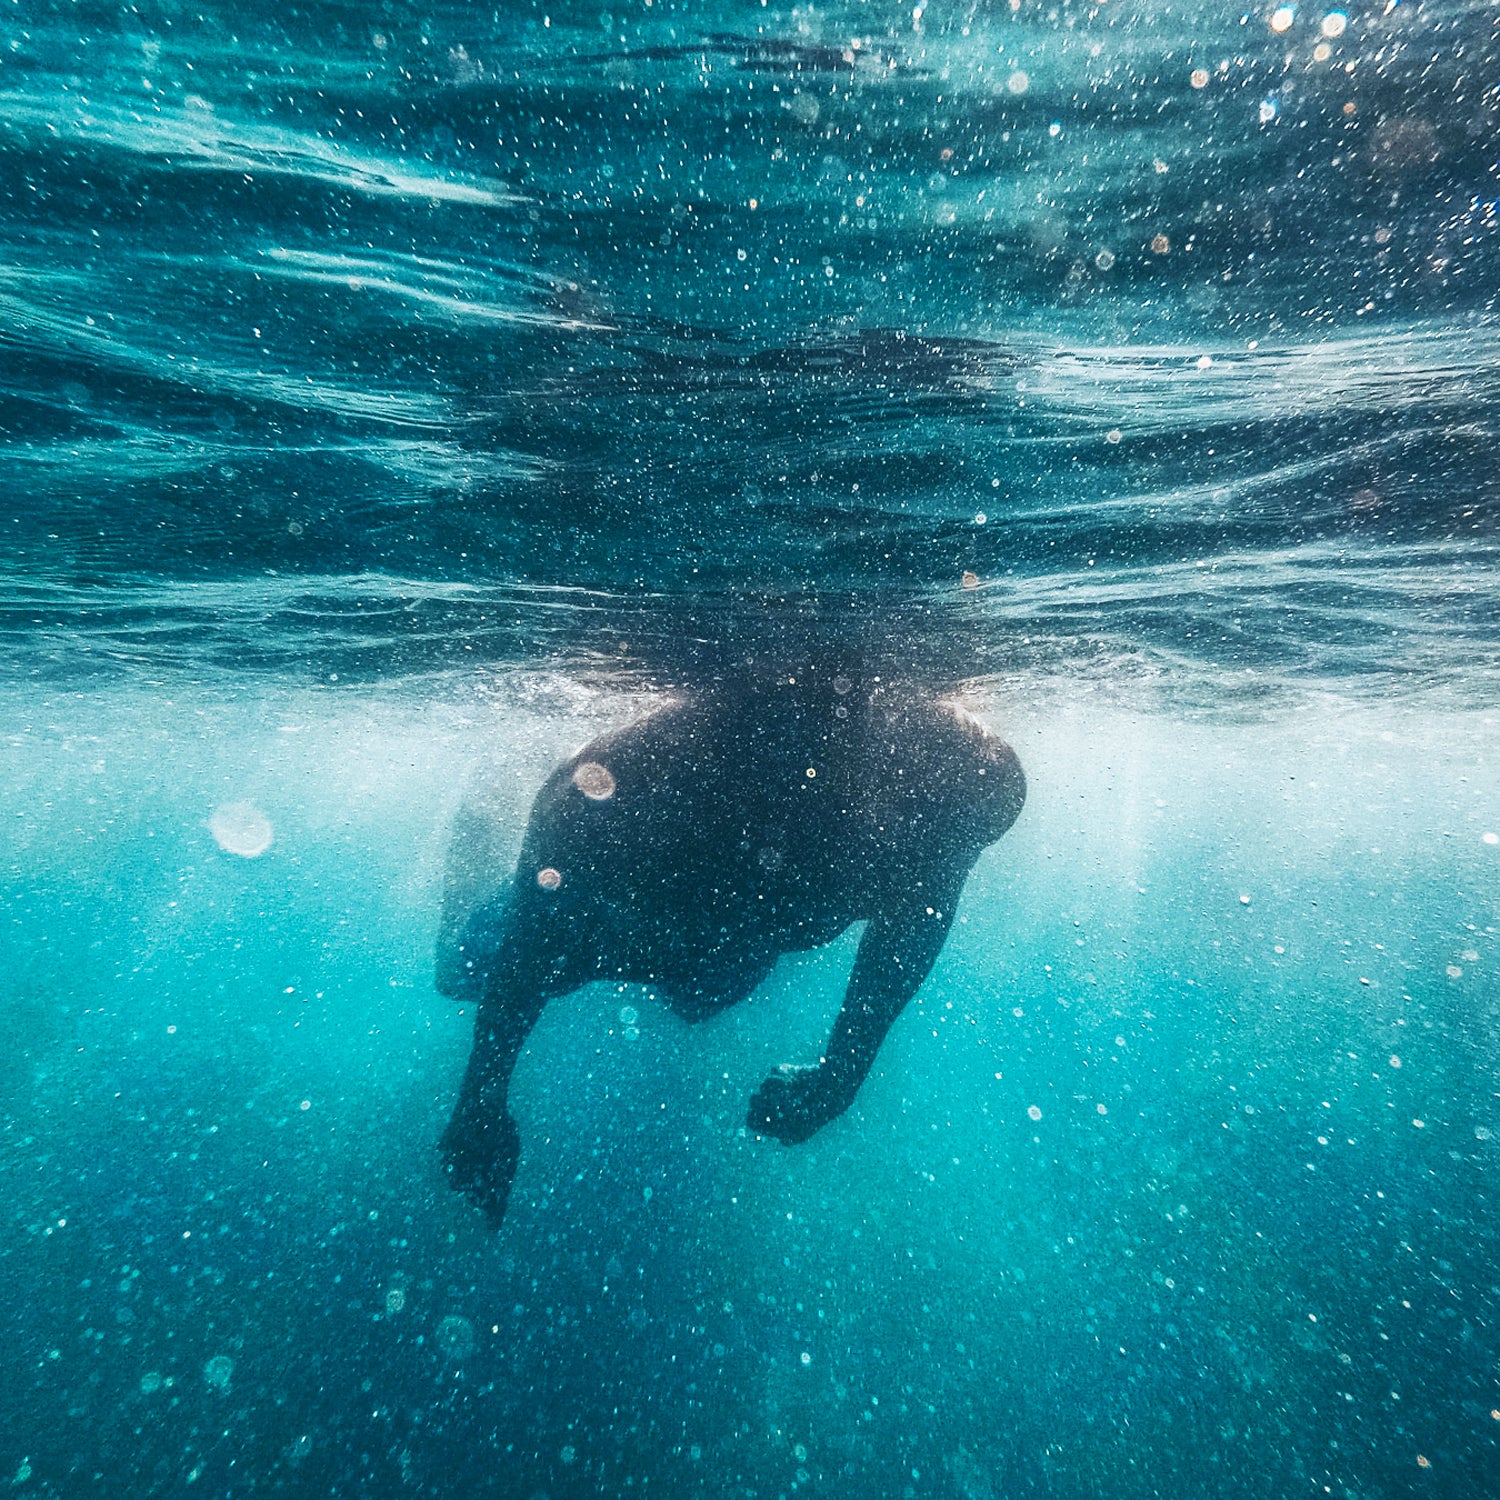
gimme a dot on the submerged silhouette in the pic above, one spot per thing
(689, 850)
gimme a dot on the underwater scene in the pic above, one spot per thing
(750, 751)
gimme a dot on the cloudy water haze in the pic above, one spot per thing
(393, 398)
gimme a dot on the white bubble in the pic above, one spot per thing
(241, 828)
(395, 1300)
(1335, 23)
(1282, 18)
(150, 1382)
(1018, 82)
(803, 107)
(629, 1015)
(1490, 838)
(1033, 1112)
(455, 1337)
(218, 1370)
(596, 782)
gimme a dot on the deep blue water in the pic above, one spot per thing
(392, 397)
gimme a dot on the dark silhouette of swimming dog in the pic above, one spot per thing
(693, 848)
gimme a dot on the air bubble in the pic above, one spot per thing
(596, 782)
(455, 1337)
(241, 828)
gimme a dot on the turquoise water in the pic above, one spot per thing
(393, 399)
